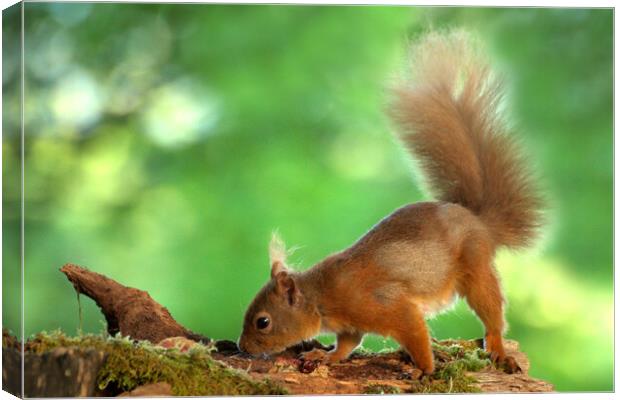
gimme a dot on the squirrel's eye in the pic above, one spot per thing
(262, 322)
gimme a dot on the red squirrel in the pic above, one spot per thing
(417, 260)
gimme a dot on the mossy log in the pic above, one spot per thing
(56, 366)
(149, 353)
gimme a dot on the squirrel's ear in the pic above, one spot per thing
(286, 286)
(277, 255)
(276, 268)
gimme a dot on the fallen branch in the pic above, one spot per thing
(130, 311)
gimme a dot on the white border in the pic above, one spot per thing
(480, 3)
(460, 3)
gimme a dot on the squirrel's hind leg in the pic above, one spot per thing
(480, 287)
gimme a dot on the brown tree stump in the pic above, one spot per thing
(62, 372)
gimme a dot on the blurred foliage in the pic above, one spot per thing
(11, 185)
(165, 142)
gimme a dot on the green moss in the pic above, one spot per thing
(468, 361)
(458, 384)
(450, 376)
(381, 389)
(130, 364)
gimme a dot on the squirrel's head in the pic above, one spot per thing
(280, 315)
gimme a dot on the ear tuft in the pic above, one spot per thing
(277, 249)
(277, 254)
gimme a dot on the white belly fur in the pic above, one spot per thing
(431, 307)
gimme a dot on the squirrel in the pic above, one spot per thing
(419, 259)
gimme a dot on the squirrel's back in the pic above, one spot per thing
(449, 119)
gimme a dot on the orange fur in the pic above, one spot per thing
(415, 261)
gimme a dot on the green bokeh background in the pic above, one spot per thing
(165, 142)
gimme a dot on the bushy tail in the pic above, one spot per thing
(450, 121)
